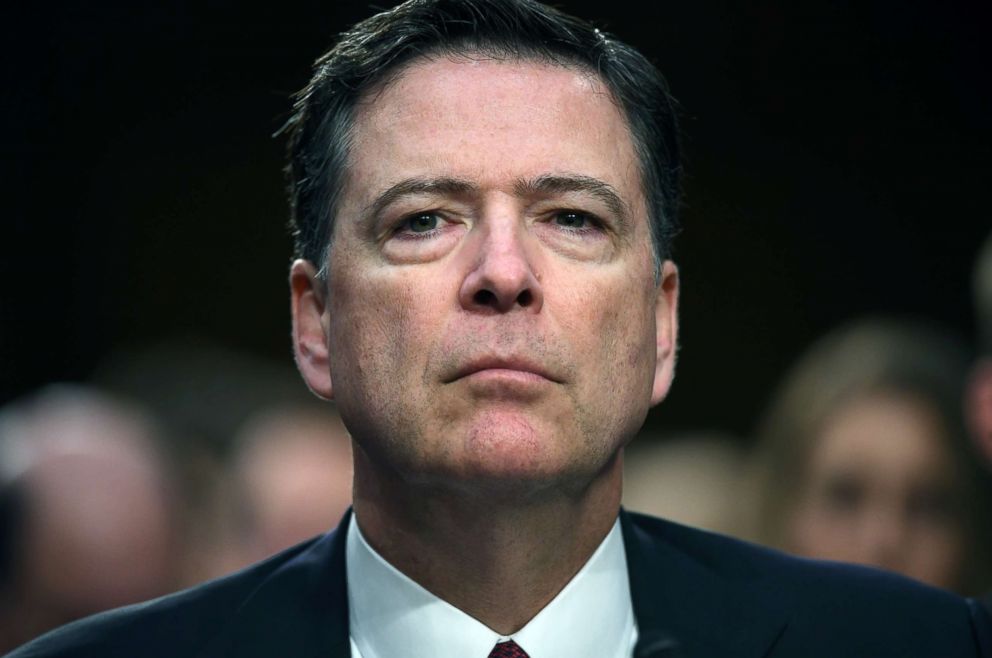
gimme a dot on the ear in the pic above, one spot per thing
(310, 321)
(667, 328)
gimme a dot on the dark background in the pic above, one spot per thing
(837, 158)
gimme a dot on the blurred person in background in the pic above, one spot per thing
(291, 477)
(225, 412)
(863, 457)
(693, 479)
(979, 404)
(979, 395)
(88, 510)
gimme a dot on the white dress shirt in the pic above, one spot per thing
(391, 616)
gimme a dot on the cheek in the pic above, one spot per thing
(812, 532)
(624, 334)
(936, 555)
(374, 333)
(614, 336)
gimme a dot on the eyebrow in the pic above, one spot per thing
(559, 184)
(549, 184)
(410, 186)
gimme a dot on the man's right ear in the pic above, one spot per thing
(310, 326)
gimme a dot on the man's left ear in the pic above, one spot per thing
(667, 329)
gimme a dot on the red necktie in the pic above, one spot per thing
(508, 649)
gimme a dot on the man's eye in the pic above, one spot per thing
(573, 220)
(422, 223)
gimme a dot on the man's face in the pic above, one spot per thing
(492, 313)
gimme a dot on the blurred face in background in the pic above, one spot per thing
(879, 490)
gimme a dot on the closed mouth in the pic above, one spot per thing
(507, 365)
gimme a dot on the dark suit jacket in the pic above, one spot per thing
(695, 594)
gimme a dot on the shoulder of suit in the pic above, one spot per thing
(826, 600)
(741, 560)
(178, 624)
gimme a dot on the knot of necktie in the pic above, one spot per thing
(508, 649)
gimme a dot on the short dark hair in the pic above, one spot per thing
(378, 48)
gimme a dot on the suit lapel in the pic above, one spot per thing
(698, 599)
(687, 603)
(300, 610)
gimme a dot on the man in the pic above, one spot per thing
(484, 193)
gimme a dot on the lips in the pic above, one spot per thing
(514, 364)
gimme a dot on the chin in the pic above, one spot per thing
(497, 453)
(510, 454)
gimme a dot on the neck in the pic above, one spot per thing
(498, 559)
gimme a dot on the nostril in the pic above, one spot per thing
(492, 297)
(484, 297)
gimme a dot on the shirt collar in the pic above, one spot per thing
(391, 615)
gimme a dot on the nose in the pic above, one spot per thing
(502, 276)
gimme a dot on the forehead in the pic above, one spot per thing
(887, 434)
(491, 121)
